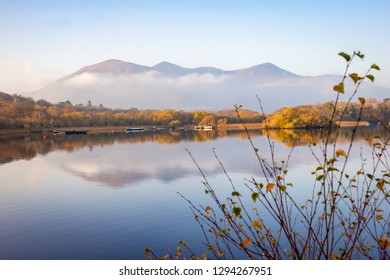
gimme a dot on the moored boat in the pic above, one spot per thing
(134, 129)
(69, 132)
(74, 132)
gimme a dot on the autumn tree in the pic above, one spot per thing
(210, 119)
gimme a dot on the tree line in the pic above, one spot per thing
(317, 116)
(20, 112)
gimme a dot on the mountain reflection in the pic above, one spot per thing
(28, 147)
(107, 159)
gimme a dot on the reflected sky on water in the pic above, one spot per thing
(109, 196)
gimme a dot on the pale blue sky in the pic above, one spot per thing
(43, 40)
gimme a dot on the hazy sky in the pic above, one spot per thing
(43, 40)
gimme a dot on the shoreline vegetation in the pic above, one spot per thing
(121, 129)
(19, 114)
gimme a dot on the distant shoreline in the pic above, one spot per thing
(117, 129)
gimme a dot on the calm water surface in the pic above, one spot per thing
(109, 196)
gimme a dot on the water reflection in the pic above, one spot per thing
(109, 160)
(28, 147)
(52, 205)
(303, 137)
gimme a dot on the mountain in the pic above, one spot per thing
(264, 74)
(112, 67)
(173, 70)
(119, 84)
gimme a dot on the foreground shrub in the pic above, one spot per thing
(345, 216)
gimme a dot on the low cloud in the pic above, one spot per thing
(17, 76)
(145, 79)
(205, 91)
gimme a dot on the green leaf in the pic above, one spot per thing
(255, 196)
(260, 185)
(236, 194)
(320, 177)
(320, 168)
(360, 55)
(339, 88)
(370, 77)
(347, 57)
(333, 169)
(237, 211)
(256, 150)
(376, 67)
(355, 77)
(362, 100)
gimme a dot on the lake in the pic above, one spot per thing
(108, 196)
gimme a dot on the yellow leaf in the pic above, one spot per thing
(269, 187)
(178, 255)
(384, 242)
(346, 234)
(257, 224)
(335, 256)
(341, 153)
(378, 217)
(380, 185)
(246, 241)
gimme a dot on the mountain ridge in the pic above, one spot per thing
(116, 66)
(117, 83)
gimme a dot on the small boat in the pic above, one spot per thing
(372, 123)
(205, 127)
(75, 132)
(69, 132)
(134, 129)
